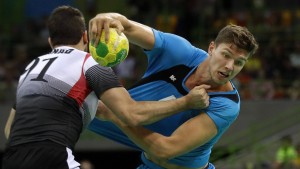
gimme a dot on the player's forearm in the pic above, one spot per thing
(150, 112)
(136, 113)
(141, 113)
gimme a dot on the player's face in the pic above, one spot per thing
(226, 62)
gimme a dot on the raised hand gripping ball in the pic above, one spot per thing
(111, 53)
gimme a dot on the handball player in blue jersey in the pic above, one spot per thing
(175, 66)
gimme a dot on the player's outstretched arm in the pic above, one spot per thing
(136, 113)
(9, 122)
(137, 33)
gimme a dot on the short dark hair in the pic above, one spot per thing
(66, 26)
(239, 36)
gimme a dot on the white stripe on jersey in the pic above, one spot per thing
(72, 163)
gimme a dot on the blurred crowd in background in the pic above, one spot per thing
(273, 73)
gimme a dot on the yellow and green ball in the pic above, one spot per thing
(113, 52)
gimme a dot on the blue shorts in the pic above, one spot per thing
(150, 165)
(143, 166)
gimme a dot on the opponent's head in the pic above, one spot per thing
(66, 26)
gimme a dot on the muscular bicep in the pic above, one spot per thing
(118, 101)
(193, 133)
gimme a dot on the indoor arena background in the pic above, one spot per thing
(269, 85)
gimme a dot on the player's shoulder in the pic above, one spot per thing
(225, 104)
(224, 107)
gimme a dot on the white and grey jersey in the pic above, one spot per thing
(57, 96)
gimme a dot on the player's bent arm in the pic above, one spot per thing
(136, 33)
(9, 122)
(136, 113)
(193, 133)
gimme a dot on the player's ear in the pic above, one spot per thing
(211, 47)
(85, 37)
(50, 43)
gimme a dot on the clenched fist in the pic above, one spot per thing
(198, 97)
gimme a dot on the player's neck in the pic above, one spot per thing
(222, 88)
(196, 79)
(79, 46)
(191, 83)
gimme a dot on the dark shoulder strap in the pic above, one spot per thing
(173, 75)
(234, 97)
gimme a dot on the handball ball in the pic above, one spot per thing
(113, 52)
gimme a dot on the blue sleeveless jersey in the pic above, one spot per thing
(170, 62)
